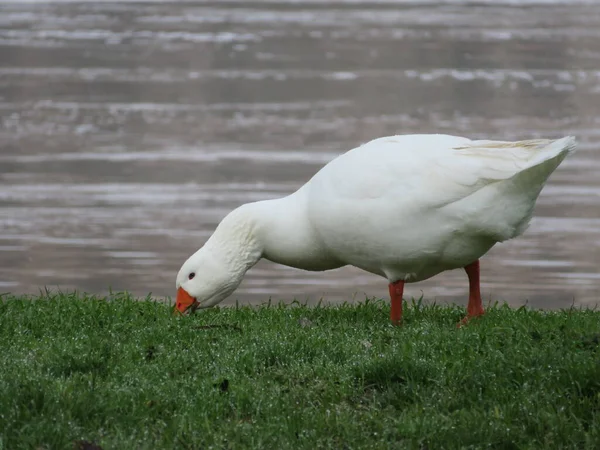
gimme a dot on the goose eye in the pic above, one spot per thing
(191, 276)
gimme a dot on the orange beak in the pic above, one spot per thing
(185, 302)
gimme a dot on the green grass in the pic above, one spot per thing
(129, 375)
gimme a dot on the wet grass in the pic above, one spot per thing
(83, 372)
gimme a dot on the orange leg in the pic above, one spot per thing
(396, 291)
(475, 307)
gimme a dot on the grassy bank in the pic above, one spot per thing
(125, 374)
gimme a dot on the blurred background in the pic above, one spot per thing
(128, 130)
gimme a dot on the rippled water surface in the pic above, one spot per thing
(128, 130)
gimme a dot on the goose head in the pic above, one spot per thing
(203, 281)
(212, 273)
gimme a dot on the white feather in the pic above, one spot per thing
(403, 207)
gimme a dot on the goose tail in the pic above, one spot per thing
(514, 174)
(525, 187)
(550, 149)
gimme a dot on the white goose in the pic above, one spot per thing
(403, 207)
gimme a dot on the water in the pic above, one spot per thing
(129, 130)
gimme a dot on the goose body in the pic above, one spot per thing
(402, 207)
